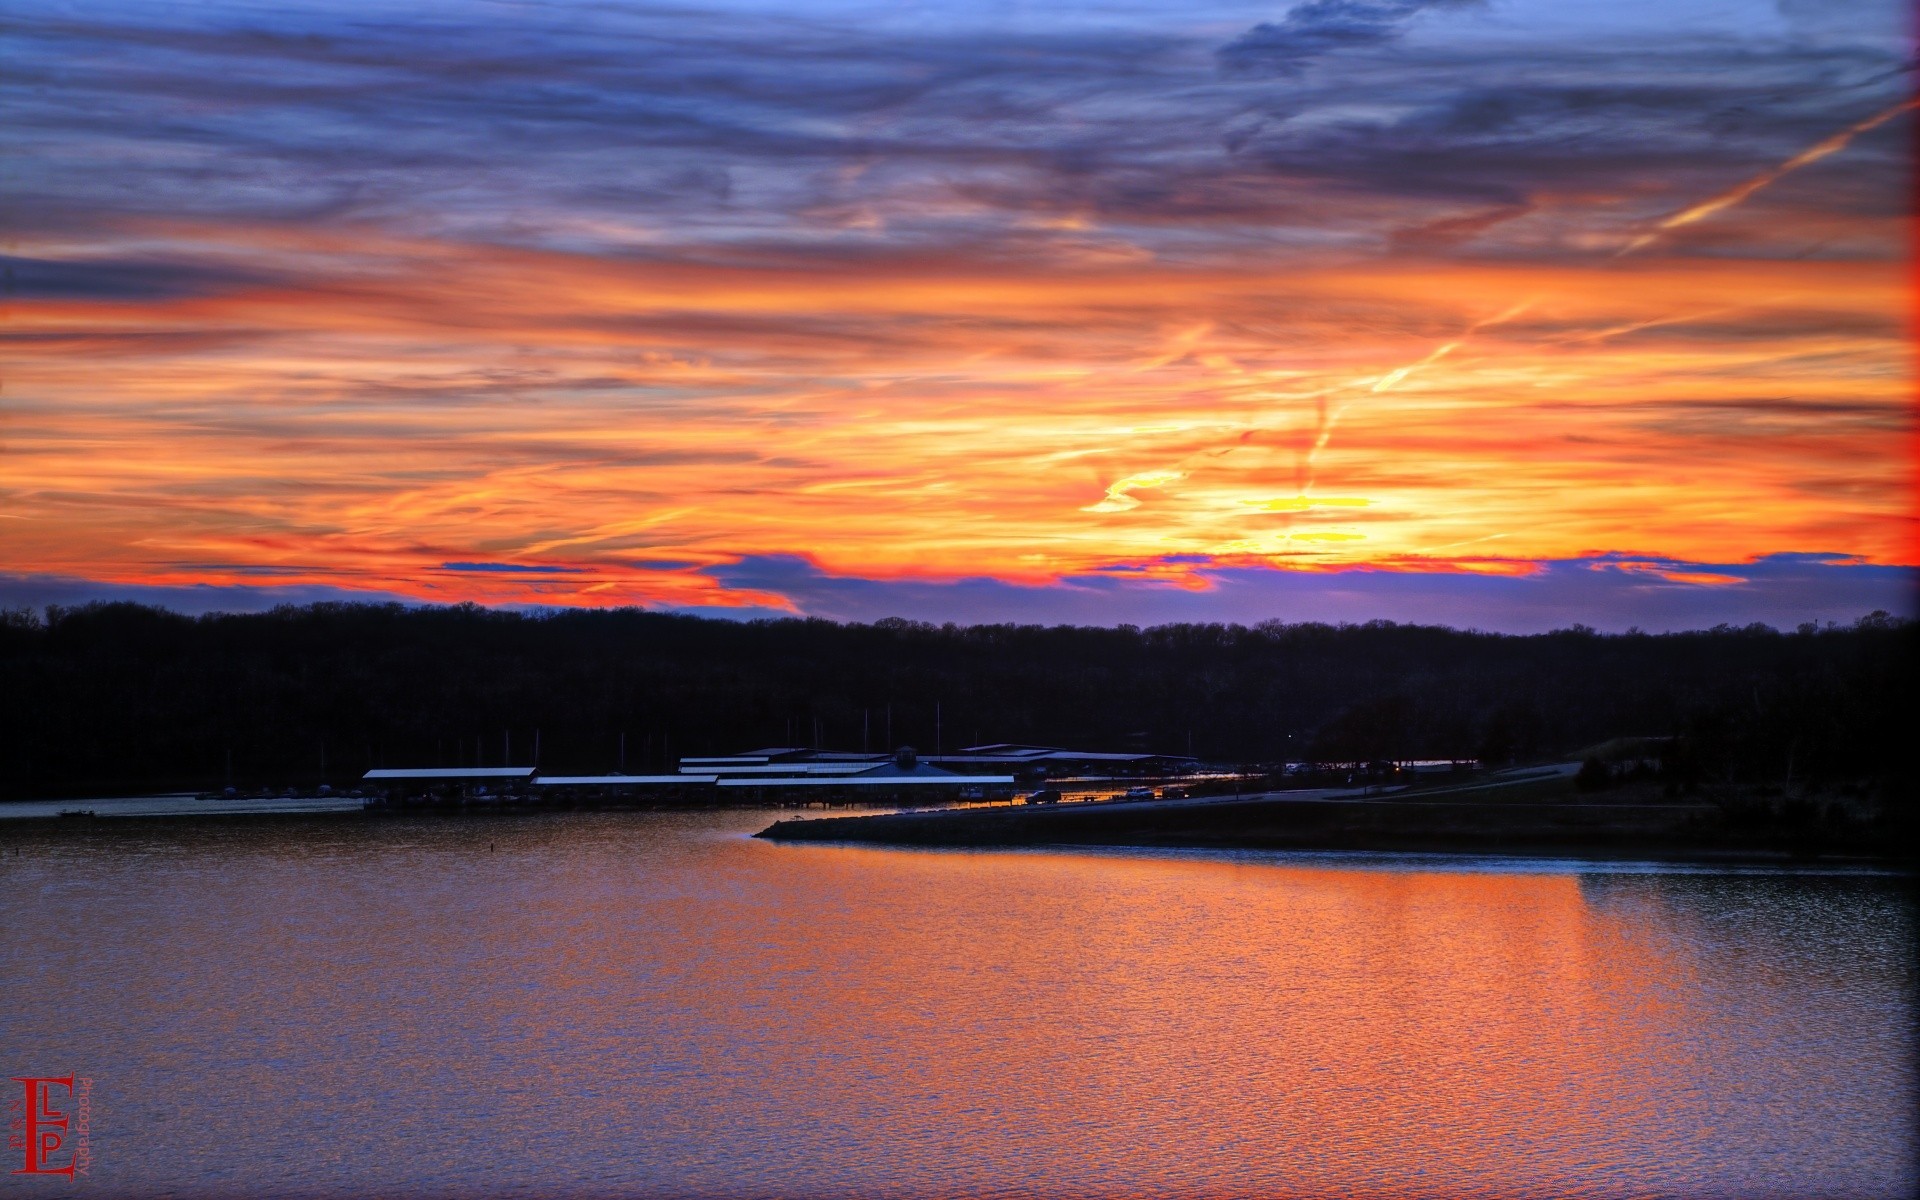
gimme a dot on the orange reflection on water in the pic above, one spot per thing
(650, 1003)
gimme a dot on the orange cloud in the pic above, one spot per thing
(373, 407)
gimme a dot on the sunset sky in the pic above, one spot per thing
(1509, 314)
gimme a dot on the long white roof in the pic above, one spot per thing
(803, 768)
(449, 773)
(619, 780)
(866, 780)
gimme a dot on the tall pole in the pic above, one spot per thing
(623, 752)
(936, 728)
(864, 715)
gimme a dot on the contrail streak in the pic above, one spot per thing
(1831, 144)
(1119, 499)
(1328, 417)
(1327, 420)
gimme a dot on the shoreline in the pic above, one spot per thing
(1487, 820)
(1469, 825)
(99, 811)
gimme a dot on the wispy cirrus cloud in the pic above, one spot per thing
(358, 291)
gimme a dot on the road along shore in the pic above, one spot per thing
(1470, 821)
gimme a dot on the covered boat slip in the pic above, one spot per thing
(882, 783)
(774, 775)
(461, 775)
(524, 787)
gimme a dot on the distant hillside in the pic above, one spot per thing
(116, 697)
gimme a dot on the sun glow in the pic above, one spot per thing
(550, 409)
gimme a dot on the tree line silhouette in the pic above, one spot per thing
(118, 697)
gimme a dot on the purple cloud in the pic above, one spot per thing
(1609, 592)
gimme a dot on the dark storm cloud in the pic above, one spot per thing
(1321, 27)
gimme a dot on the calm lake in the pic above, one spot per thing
(653, 1003)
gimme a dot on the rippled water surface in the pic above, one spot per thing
(646, 1003)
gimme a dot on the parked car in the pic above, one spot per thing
(1045, 796)
(1139, 793)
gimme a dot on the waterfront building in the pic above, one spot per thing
(782, 774)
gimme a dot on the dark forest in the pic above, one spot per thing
(120, 697)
